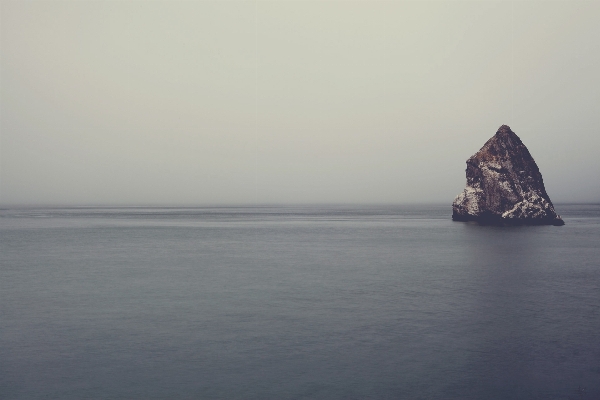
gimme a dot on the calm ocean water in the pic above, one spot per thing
(296, 303)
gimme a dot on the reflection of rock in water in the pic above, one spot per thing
(504, 185)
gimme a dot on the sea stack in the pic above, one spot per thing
(504, 186)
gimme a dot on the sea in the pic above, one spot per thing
(297, 302)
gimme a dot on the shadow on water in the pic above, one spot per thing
(533, 312)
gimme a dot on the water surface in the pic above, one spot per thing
(336, 302)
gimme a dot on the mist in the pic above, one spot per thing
(256, 102)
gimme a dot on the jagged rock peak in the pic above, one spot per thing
(504, 185)
(504, 129)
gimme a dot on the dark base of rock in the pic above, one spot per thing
(493, 219)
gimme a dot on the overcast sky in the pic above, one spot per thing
(211, 102)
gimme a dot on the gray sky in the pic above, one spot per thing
(204, 102)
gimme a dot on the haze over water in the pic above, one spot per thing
(333, 302)
(278, 102)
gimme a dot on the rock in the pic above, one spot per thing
(504, 186)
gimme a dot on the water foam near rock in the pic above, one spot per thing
(504, 186)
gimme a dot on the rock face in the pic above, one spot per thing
(504, 186)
